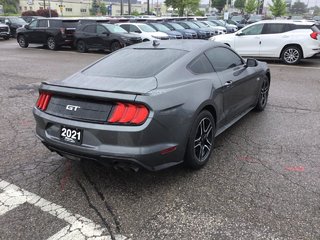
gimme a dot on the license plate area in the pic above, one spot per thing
(71, 135)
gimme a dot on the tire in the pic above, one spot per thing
(51, 43)
(22, 41)
(263, 95)
(291, 55)
(200, 142)
(145, 40)
(81, 46)
(115, 46)
(6, 38)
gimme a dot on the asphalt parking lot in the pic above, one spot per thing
(262, 182)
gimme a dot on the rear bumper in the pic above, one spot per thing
(140, 146)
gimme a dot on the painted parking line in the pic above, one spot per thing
(78, 226)
(288, 66)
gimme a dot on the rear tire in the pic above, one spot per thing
(291, 55)
(22, 41)
(200, 143)
(51, 43)
(81, 46)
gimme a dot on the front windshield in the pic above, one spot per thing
(146, 28)
(200, 24)
(114, 28)
(18, 21)
(211, 24)
(161, 27)
(177, 26)
(192, 25)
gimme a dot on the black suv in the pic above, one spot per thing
(14, 23)
(103, 36)
(50, 32)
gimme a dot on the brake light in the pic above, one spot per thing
(43, 101)
(128, 113)
(314, 35)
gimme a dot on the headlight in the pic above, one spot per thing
(125, 38)
(212, 38)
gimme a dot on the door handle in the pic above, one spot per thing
(228, 83)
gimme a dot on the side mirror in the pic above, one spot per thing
(105, 33)
(251, 62)
(137, 31)
(27, 26)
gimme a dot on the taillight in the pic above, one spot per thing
(314, 35)
(43, 101)
(128, 113)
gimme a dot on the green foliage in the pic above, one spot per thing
(251, 6)
(316, 11)
(240, 4)
(298, 8)
(135, 13)
(103, 9)
(278, 8)
(219, 4)
(10, 6)
(183, 5)
(94, 10)
(199, 13)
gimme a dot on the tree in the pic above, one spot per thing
(182, 5)
(298, 8)
(103, 9)
(251, 6)
(278, 8)
(198, 12)
(94, 10)
(29, 13)
(219, 4)
(46, 13)
(10, 6)
(316, 11)
(239, 4)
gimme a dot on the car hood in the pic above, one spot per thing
(109, 84)
(159, 34)
(127, 35)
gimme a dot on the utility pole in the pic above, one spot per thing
(121, 7)
(148, 7)
(129, 7)
(44, 4)
(49, 9)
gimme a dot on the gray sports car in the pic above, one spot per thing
(151, 105)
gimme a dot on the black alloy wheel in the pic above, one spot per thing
(81, 46)
(291, 55)
(22, 41)
(263, 95)
(200, 144)
(51, 43)
(115, 46)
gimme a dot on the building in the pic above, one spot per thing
(67, 8)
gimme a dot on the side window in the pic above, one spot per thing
(55, 23)
(253, 30)
(90, 29)
(2, 20)
(135, 29)
(33, 24)
(101, 29)
(126, 27)
(200, 65)
(223, 58)
(43, 23)
(274, 28)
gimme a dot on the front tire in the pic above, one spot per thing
(51, 43)
(263, 95)
(22, 41)
(200, 143)
(291, 55)
(115, 46)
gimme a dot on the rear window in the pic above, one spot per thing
(135, 63)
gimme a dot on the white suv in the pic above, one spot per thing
(146, 32)
(288, 40)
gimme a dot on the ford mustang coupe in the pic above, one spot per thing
(151, 105)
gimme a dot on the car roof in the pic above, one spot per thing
(297, 22)
(185, 45)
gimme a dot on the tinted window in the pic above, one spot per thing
(274, 28)
(253, 30)
(101, 29)
(301, 26)
(201, 65)
(223, 58)
(33, 24)
(55, 23)
(135, 63)
(134, 28)
(90, 29)
(43, 23)
(126, 27)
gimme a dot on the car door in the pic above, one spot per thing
(240, 83)
(247, 41)
(103, 39)
(90, 36)
(30, 33)
(40, 32)
(273, 32)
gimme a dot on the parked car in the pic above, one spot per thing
(14, 23)
(218, 29)
(316, 32)
(203, 33)
(255, 18)
(146, 32)
(235, 23)
(287, 40)
(187, 33)
(162, 28)
(51, 32)
(4, 31)
(230, 27)
(103, 37)
(213, 31)
(151, 105)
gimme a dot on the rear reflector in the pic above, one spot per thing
(314, 35)
(127, 113)
(43, 101)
